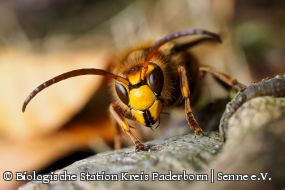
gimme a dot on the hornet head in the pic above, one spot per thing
(142, 94)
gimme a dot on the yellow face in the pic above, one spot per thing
(143, 95)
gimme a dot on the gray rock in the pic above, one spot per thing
(178, 153)
(255, 143)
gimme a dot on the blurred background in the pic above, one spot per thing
(70, 121)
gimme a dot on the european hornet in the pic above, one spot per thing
(150, 78)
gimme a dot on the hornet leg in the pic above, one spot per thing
(185, 91)
(123, 124)
(223, 78)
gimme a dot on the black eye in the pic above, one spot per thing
(156, 79)
(122, 93)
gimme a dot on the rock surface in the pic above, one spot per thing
(255, 144)
(177, 154)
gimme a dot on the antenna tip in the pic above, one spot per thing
(24, 105)
(23, 108)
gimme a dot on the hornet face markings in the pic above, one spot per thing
(142, 96)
